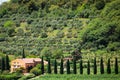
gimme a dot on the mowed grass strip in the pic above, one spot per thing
(78, 77)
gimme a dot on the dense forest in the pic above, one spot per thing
(55, 28)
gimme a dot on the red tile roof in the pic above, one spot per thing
(30, 60)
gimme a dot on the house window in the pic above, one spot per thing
(14, 65)
(18, 66)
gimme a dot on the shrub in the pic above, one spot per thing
(12, 76)
(20, 70)
(100, 4)
(44, 35)
(8, 24)
(35, 71)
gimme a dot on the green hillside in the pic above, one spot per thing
(54, 28)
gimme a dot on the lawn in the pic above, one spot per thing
(78, 77)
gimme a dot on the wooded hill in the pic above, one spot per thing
(58, 27)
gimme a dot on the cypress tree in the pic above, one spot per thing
(49, 66)
(7, 65)
(116, 66)
(61, 67)
(95, 66)
(42, 66)
(55, 66)
(68, 67)
(2, 64)
(81, 67)
(88, 67)
(108, 67)
(74, 67)
(101, 66)
(23, 53)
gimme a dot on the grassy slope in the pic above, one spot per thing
(78, 77)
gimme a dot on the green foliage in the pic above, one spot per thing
(100, 4)
(57, 53)
(32, 6)
(9, 24)
(111, 10)
(27, 77)
(46, 52)
(44, 35)
(113, 46)
(35, 71)
(44, 23)
(11, 32)
(19, 70)
(10, 76)
(77, 77)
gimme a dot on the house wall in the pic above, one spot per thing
(15, 64)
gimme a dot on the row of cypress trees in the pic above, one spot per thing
(4, 63)
(81, 67)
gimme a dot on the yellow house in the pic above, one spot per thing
(25, 63)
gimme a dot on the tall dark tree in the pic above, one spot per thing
(88, 67)
(55, 66)
(23, 53)
(108, 67)
(42, 66)
(95, 66)
(2, 64)
(116, 66)
(81, 67)
(49, 66)
(61, 67)
(68, 67)
(101, 66)
(7, 65)
(74, 66)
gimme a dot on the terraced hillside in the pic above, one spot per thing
(59, 27)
